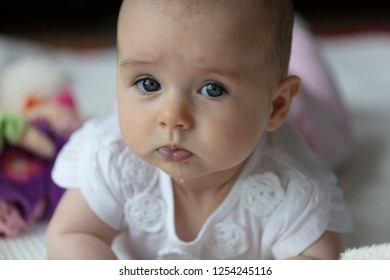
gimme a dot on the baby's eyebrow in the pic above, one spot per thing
(219, 70)
(130, 63)
(223, 71)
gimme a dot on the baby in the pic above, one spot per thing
(198, 163)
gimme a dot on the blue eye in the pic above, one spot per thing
(213, 90)
(148, 85)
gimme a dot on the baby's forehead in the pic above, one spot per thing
(235, 27)
(242, 20)
(228, 20)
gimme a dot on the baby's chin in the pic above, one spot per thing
(184, 172)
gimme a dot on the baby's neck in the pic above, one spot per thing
(195, 203)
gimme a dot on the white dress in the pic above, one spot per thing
(283, 200)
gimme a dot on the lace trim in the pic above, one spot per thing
(174, 254)
(132, 169)
(262, 193)
(227, 240)
(145, 212)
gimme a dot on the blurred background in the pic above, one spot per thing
(90, 22)
(72, 22)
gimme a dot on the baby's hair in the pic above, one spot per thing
(280, 15)
(277, 16)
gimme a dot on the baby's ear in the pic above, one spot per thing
(281, 99)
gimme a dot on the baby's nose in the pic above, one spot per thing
(175, 114)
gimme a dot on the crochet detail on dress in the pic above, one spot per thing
(262, 193)
(145, 212)
(132, 169)
(227, 241)
(174, 254)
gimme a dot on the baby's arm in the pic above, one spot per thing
(75, 232)
(327, 247)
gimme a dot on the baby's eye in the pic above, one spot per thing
(148, 85)
(213, 90)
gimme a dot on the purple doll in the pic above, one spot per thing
(27, 192)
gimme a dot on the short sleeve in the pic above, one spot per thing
(85, 162)
(308, 210)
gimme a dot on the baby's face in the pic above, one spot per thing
(192, 89)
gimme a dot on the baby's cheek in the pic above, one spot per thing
(233, 148)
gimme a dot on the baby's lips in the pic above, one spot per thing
(173, 154)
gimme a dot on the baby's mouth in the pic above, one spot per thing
(174, 154)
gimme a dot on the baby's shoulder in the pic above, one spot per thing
(113, 158)
(98, 138)
(295, 181)
(98, 152)
(120, 166)
(287, 154)
(279, 177)
(279, 189)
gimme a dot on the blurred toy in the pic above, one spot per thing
(16, 131)
(318, 112)
(37, 116)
